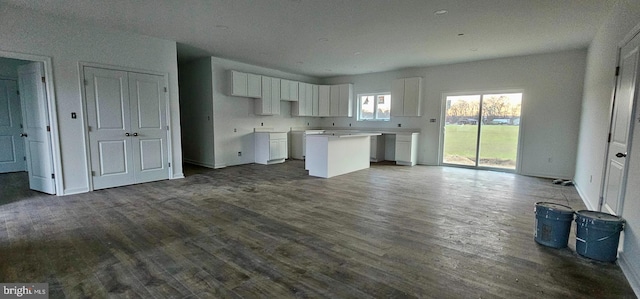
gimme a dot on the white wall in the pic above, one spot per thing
(594, 127)
(196, 112)
(552, 85)
(237, 113)
(69, 43)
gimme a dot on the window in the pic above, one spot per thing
(375, 106)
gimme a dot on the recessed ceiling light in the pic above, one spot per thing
(440, 12)
(357, 53)
(328, 70)
(299, 62)
(222, 27)
(323, 39)
(473, 49)
(460, 34)
(263, 54)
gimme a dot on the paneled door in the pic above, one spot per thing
(615, 176)
(126, 114)
(36, 128)
(11, 144)
(149, 127)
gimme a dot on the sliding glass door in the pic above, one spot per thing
(482, 130)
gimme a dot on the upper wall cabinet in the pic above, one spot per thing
(294, 93)
(406, 97)
(324, 100)
(341, 100)
(246, 85)
(269, 102)
(304, 105)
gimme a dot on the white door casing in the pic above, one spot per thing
(11, 144)
(615, 174)
(126, 115)
(36, 127)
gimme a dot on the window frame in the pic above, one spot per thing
(375, 106)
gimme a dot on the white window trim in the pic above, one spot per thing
(375, 109)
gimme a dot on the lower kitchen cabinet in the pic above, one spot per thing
(270, 147)
(407, 149)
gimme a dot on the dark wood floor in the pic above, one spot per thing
(273, 232)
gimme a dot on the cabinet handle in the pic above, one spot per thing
(135, 134)
(23, 135)
(127, 134)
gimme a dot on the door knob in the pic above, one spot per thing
(135, 134)
(127, 134)
(621, 155)
(23, 135)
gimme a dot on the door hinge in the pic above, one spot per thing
(609, 138)
(48, 128)
(53, 176)
(617, 71)
(24, 158)
(93, 173)
(20, 126)
(165, 89)
(18, 92)
(169, 164)
(86, 82)
(89, 128)
(42, 79)
(167, 128)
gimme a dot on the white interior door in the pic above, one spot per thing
(108, 117)
(149, 127)
(36, 127)
(11, 144)
(615, 176)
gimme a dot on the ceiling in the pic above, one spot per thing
(326, 38)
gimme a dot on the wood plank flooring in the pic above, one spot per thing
(258, 231)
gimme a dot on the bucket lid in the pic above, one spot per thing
(599, 216)
(555, 207)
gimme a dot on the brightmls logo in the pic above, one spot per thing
(24, 290)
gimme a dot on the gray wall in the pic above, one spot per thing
(552, 85)
(594, 127)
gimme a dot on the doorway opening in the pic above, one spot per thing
(482, 130)
(27, 132)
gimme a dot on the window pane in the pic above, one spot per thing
(366, 107)
(384, 106)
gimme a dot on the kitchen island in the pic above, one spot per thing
(329, 155)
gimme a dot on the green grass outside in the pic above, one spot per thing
(497, 143)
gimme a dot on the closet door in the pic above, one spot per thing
(108, 117)
(148, 127)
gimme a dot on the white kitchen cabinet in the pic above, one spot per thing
(270, 147)
(407, 149)
(334, 100)
(299, 108)
(309, 99)
(269, 102)
(284, 89)
(324, 100)
(315, 100)
(238, 83)
(406, 97)
(254, 86)
(346, 100)
(245, 85)
(293, 90)
(377, 148)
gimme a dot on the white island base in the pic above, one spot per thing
(329, 155)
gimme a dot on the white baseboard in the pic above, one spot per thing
(627, 269)
(198, 163)
(221, 165)
(584, 198)
(177, 176)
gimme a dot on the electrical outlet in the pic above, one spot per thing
(307, 124)
(590, 178)
(73, 115)
(549, 160)
(239, 154)
(399, 125)
(235, 130)
(334, 124)
(432, 120)
(349, 124)
(261, 124)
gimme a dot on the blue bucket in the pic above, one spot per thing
(553, 224)
(597, 235)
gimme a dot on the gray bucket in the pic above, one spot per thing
(553, 223)
(598, 234)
